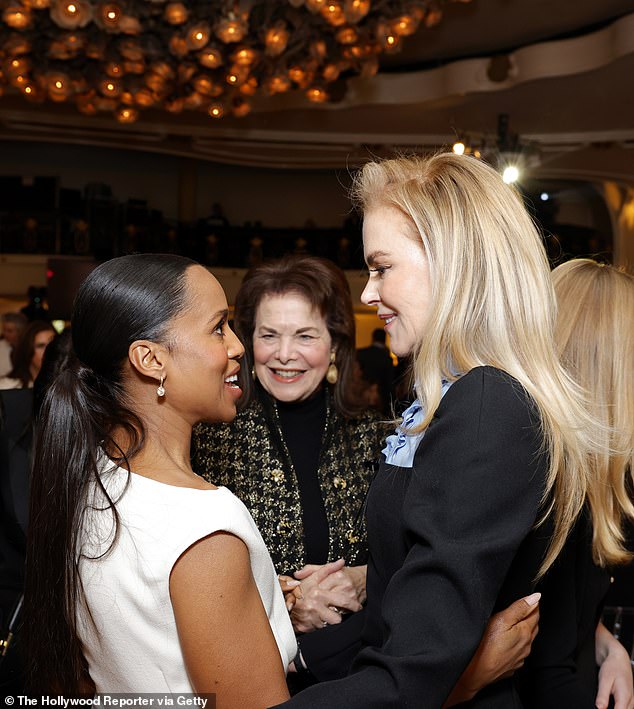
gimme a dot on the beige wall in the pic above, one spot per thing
(620, 201)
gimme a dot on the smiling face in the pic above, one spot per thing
(201, 372)
(399, 285)
(291, 346)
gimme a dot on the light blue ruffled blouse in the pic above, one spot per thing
(401, 445)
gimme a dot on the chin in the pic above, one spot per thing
(400, 350)
(227, 416)
(285, 396)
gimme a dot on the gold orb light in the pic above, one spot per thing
(126, 56)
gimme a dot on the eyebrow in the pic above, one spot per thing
(219, 314)
(372, 258)
(299, 331)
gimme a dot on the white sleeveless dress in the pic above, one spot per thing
(133, 644)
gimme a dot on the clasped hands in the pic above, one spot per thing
(320, 594)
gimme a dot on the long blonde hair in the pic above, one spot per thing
(493, 304)
(595, 336)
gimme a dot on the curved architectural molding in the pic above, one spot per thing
(538, 61)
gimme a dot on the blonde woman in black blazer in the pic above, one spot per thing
(496, 440)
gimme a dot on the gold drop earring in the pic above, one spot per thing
(333, 373)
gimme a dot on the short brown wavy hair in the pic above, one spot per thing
(324, 285)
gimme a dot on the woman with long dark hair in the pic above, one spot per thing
(123, 534)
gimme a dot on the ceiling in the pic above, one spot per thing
(561, 69)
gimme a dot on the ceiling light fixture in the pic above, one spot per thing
(506, 151)
(195, 54)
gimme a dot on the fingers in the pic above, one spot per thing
(340, 597)
(603, 696)
(331, 617)
(622, 692)
(615, 679)
(320, 572)
(306, 619)
(339, 581)
(316, 610)
(521, 610)
(335, 579)
(306, 571)
(318, 601)
(287, 583)
(289, 601)
(532, 600)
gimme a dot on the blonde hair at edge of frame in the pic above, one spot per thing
(595, 336)
(493, 304)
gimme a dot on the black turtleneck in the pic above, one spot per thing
(303, 424)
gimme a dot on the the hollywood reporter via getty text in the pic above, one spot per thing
(120, 701)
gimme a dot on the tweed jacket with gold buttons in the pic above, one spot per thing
(249, 457)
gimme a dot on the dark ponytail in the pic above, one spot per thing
(123, 300)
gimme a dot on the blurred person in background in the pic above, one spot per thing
(595, 336)
(13, 325)
(36, 308)
(28, 354)
(378, 368)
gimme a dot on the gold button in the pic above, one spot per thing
(340, 483)
(277, 475)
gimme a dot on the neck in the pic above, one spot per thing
(165, 454)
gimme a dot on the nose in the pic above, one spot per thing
(286, 349)
(370, 295)
(235, 348)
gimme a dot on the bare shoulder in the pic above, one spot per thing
(214, 559)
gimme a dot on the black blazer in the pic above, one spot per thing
(451, 541)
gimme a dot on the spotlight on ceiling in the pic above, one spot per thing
(512, 156)
(510, 174)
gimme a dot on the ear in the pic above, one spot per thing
(148, 358)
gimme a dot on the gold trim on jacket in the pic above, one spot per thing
(251, 459)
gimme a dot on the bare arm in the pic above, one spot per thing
(225, 637)
(504, 646)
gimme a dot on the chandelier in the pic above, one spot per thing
(123, 56)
